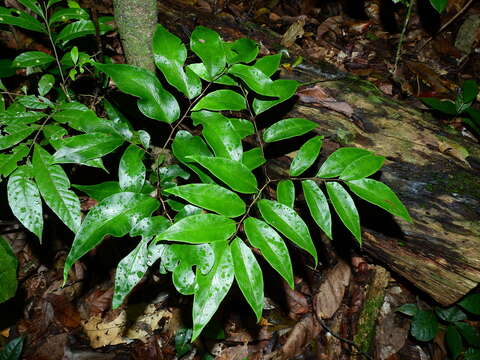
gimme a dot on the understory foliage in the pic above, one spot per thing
(200, 201)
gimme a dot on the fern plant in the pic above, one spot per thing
(199, 202)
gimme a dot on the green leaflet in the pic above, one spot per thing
(470, 333)
(115, 215)
(16, 133)
(362, 167)
(81, 148)
(8, 271)
(201, 71)
(211, 197)
(268, 64)
(439, 5)
(208, 46)
(289, 223)
(212, 287)
(445, 106)
(471, 303)
(345, 208)
(130, 271)
(100, 191)
(119, 122)
(253, 158)
(318, 205)
(150, 226)
(32, 58)
(131, 171)
(45, 84)
(233, 173)
(54, 186)
(306, 156)
(202, 228)
(170, 55)
(33, 102)
(221, 100)
(248, 275)
(220, 133)
(155, 102)
(32, 5)
(286, 193)
(469, 91)
(454, 341)
(8, 162)
(180, 258)
(424, 325)
(242, 50)
(24, 200)
(83, 28)
(283, 89)
(20, 118)
(63, 15)
(379, 194)
(288, 128)
(339, 160)
(13, 350)
(19, 18)
(273, 248)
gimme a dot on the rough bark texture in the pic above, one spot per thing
(136, 22)
(440, 252)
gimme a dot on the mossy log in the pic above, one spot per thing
(426, 165)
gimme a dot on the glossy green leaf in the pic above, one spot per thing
(187, 210)
(170, 55)
(269, 64)
(32, 58)
(439, 5)
(424, 325)
(255, 79)
(183, 342)
(242, 50)
(8, 271)
(155, 102)
(115, 215)
(202, 228)
(362, 167)
(289, 223)
(451, 314)
(408, 309)
(339, 160)
(63, 15)
(286, 193)
(379, 194)
(253, 158)
(24, 200)
(454, 341)
(131, 171)
(447, 106)
(306, 156)
(20, 118)
(243, 127)
(8, 162)
(248, 275)
(19, 18)
(211, 197)
(272, 246)
(233, 173)
(185, 145)
(33, 102)
(471, 303)
(15, 135)
(208, 46)
(6, 69)
(345, 208)
(318, 205)
(83, 28)
(54, 186)
(220, 133)
(13, 350)
(469, 91)
(469, 333)
(212, 287)
(288, 128)
(80, 148)
(32, 5)
(283, 89)
(150, 226)
(180, 258)
(45, 84)
(119, 122)
(130, 271)
(222, 100)
(201, 71)
(100, 191)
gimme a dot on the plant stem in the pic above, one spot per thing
(402, 36)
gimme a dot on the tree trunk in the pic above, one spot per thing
(434, 171)
(136, 22)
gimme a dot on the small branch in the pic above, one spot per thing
(402, 36)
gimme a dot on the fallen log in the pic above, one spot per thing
(434, 171)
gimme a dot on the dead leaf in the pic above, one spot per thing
(318, 95)
(294, 32)
(330, 294)
(297, 302)
(102, 333)
(455, 150)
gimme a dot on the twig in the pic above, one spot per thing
(402, 36)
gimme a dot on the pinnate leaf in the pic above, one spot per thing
(208, 46)
(306, 156)
(115, 215)
(345, 208)
(362, 167)
(253, 158)
(424, 325)
(20, 18)
(131, 171)
(289, 223)
(339, 160)
(318, 205)
(222, 100)
(286, 193)
(248, 275)
(288, 128)
(100, 191)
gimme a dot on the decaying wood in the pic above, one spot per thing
(434, 172)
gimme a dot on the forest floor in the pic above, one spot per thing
(345, 309)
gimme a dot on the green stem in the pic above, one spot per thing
(402, 36)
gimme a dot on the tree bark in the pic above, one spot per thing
(136, 22)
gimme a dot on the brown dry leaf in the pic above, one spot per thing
(294, 32)
(318, 95)
(65, 313)
(330, 294)
(102, 333)
(332, 25)
(455, 150)
(238, 352)
(146, 324)
(297, 302)
(99, 301)
(428, 75)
